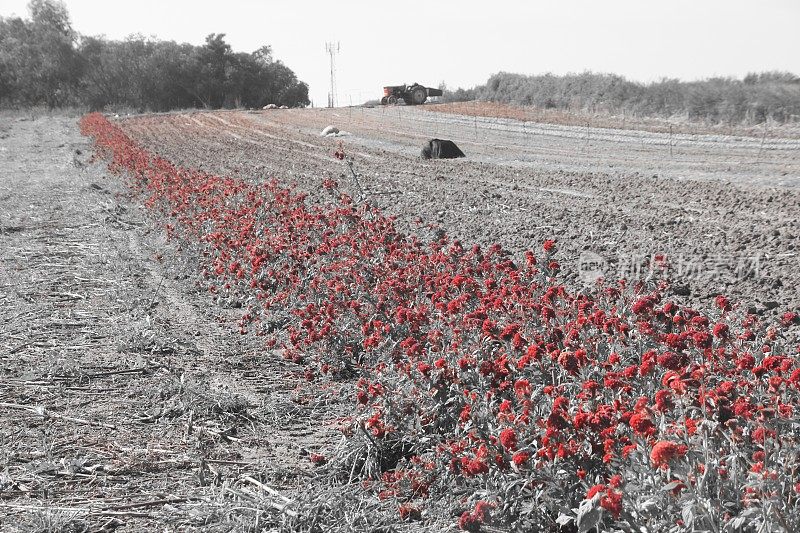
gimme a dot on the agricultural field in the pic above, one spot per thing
(720, 207)
(223, 321)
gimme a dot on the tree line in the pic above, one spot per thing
(44, 61)
(751, 100)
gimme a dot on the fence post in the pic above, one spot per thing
(763, 138)
(670, 140)
(475, 117)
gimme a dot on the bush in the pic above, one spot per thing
(756, 98)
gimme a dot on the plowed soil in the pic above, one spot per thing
(724, 210)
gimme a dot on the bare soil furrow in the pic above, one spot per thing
(724, 209)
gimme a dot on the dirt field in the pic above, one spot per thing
(130, 402)
(724, 210)
(126, 400)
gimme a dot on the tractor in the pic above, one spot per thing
(414, 94)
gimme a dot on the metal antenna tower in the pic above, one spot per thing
(332, 49)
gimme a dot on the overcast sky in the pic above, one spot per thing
(463, 42)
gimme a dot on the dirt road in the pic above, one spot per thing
(725, 211)
(127, 402)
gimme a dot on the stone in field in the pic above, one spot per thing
(329, 130)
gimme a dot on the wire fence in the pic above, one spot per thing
(677, 149)
(465, 123)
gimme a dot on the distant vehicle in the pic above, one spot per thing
(414, 94)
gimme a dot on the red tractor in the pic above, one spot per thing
(414, 94)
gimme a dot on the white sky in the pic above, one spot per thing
(463, 42)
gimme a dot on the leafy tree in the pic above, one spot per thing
(56, 66)
(44, 61)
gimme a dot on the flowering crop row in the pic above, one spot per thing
(480, 375)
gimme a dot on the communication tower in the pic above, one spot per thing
(332, 49)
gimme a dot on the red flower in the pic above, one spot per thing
(746, 361)
(593, 491)
(424, 368)
(673, 361)
(643, 305)
(610, 499)
(474, 467)
(505, 406)
(480, 515)
(627, 450)
(665, 451)
(642, 424)
(409, 512)
(483, 510)
(612, 502)
(591, 386)
(702, 339)
(468, 522)
(317, 459)
(720, 330)
(648, 362)
(522, 387)
(743, 408)
(548, 245)
(508, 438)
(521, 458)
(664, 400)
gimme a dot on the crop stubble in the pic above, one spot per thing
(127, 402)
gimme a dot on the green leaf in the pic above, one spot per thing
(672, 485)
(589, 515)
